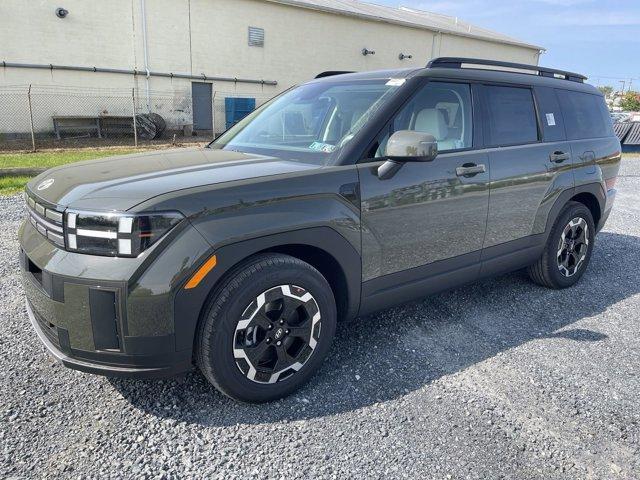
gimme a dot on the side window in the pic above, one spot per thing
(441, 109)
(550, 114)
(511, 116)
(584, 114)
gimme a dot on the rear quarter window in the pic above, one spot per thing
(550, 114)
(585, 115)
(511, 116)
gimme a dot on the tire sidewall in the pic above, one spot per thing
(225, 317)
(572, 211)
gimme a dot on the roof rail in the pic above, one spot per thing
(458, 62)
(331, 73)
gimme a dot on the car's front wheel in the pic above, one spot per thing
(267, 328)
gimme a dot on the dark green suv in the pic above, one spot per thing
(340, 197)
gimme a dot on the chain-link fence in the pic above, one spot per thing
(40, 117)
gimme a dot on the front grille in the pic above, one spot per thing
(46, 220)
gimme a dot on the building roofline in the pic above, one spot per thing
(498, 38)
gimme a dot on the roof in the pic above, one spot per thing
(479, 74)
(408, 17)
(369, 75)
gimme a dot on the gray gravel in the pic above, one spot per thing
(501, 379)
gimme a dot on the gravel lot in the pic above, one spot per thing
(502, 379)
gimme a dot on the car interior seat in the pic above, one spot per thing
(431, 120)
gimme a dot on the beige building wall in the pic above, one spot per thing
(211, 37)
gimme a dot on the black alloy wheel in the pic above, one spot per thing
(277, 334)
(573, 246)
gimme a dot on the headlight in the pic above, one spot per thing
(121, 235)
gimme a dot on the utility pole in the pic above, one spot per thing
(623, 85)
(630, 83)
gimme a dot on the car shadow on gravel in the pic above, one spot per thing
(397, 351)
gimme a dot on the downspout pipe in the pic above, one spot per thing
(121, 71)
(143, 13)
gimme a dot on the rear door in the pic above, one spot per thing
(530, 165)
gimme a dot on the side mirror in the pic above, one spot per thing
(407, 146)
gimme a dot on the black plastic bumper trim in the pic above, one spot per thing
(102, 369)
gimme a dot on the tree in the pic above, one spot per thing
(630, 102)
(606, 90)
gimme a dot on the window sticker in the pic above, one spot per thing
(396, 82)
(551, 120)
(322, 147)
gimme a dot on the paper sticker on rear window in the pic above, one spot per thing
(322, 147)
(551, 120)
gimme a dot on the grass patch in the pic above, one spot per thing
(57, 157)
(12, 185)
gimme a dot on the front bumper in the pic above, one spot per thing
(111, 370)
(87, 326)
(111, 316)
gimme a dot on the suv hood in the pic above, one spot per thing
(119, 183)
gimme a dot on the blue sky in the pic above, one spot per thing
(600, 38)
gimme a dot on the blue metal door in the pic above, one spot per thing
(236, 109)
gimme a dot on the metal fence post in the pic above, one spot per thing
(33, 135)
(213, 115)
(135, 126)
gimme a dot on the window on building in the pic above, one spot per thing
(256, 37)
(441, 109)
(585, 115)
(511, 116)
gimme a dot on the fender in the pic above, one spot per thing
(596, 189)
(188, 304)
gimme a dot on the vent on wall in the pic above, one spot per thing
(256, 37)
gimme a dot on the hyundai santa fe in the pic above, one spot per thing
(340, 197)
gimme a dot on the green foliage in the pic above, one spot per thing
(54, 158)
(12, 185)
(606, 90)
(631, 102)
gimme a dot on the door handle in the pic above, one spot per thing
(470, 169)
(559, 157)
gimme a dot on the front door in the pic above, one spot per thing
(429, 217)
(202, 106)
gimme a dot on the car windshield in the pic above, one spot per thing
(311, 122)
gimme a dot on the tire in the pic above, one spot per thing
(271, 311)
(159, 122)
(146, 129)
(565, 259)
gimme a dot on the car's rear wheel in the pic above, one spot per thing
(266, 329)
(568, 249)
